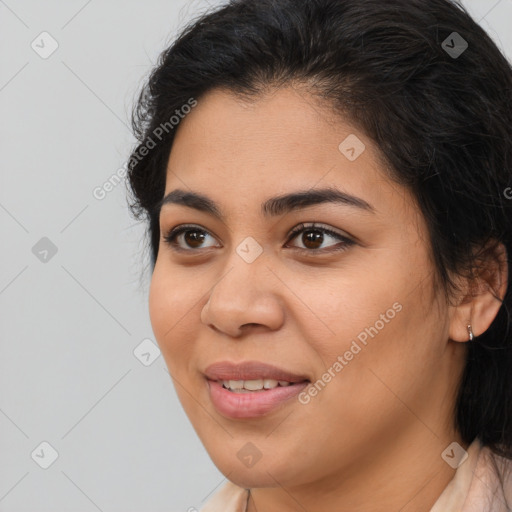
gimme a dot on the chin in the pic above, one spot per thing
(250, 478)
(236, 465)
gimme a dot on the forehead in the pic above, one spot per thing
(237, 150)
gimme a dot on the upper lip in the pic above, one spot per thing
(250, 370)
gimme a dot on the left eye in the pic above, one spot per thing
(312, 236)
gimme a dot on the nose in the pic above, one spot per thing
(246, 296)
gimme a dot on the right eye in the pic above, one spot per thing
(189, 234)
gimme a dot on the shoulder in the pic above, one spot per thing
(230, 498)
(491, 486)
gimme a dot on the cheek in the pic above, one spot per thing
(351, 307)
(159, 301)
(171, 307)
(380, 323)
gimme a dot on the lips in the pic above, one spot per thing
(251, 389)
(250, 370)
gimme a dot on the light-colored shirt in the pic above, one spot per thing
(482, 483)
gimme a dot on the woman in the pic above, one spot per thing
(338, 326)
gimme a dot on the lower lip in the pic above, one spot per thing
(253, 404)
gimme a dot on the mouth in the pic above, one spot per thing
(226, 371)
(254, 385)
(251, 389)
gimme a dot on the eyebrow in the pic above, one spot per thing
(272, 207)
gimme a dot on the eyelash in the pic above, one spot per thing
(171, 236)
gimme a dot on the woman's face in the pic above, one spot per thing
(348, 321)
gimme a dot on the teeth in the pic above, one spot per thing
(244, 386)
(234, 384)
(253, 385)
(269, 383)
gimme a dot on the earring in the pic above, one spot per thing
(470, 331)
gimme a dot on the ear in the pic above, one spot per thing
(481, 296)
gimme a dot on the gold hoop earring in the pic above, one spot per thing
(470, 331)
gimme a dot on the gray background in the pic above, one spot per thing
(70, 321)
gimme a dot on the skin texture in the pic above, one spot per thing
(372, 439)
